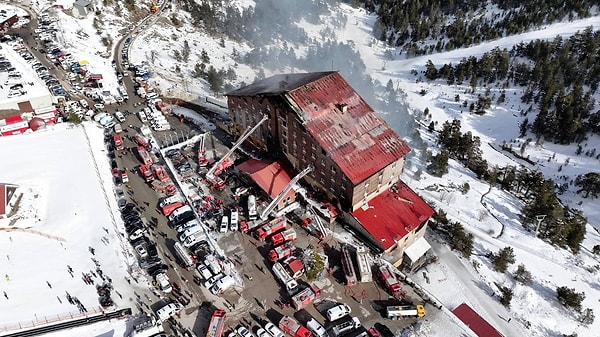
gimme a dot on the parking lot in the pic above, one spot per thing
(257, 297)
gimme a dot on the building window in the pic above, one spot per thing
(323, 151)
(332, 189)
(284, 141)
(343, 187)
(322, 162)
(312, 156)
(284, 123)
(294, 134)
(333, 170)
(304, 141)
(284, 133)
(322, 180)
(314, 147)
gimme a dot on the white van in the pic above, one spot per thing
(84, 103)
(252, 214)
(120, 117)
(170, 200)
(184, 257)
(194, 239)
(211, 262)
(168, 311)
(204, 272)
(224, 224)
(338, 312)
(234, 221)
(176, 213)
(189, 232)
(222, 285)
(186, 226)
(314, 326)
(142, 116)
(163, 282)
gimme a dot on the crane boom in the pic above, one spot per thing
(213, 171)
(287, 188)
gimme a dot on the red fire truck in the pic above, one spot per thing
(389, 280)
(270, 228)
(281, 237)
(305, 297)
(146, 173)
(217, 323)
(141, 141)
(293, 328)
(144, 156)
(281, 252)
(160, 172)
(118, 141)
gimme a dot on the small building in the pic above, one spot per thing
(8, 22)
(7, 191)
(13, 125)
(475, 322)
(81, 8)
(271, 177)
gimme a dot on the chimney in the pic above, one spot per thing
(343, 107)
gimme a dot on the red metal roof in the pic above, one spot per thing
(268, 175)
(353, 135)
(393, 214)
(475, 322)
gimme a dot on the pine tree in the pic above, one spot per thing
(504, 257)
(523, 275)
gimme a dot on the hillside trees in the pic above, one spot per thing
(570, 298)
(503, 258)
(560, 76)
(589, 184)
(457, 24)
(463, 147)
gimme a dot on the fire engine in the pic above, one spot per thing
(217, 323)
(305, 297)
(389, 280)
(281, 237)
(281, 252)
(141, 141)
(144, 156)
(167, 187)
(160, 172)
(146, 173)
(270, 228)
(118, 141)
(348, 266)
(293, 328)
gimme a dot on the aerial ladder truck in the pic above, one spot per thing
(202, 161)
(212, 176)
(265, 214)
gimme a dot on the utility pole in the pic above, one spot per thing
(539, 218)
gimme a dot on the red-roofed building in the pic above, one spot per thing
(395, 219)
(13, 125)
(475, 322)
(319, 120)
(271, 177)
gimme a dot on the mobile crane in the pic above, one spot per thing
(212, 176)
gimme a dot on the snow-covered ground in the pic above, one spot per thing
(452, 279)
(65, 210)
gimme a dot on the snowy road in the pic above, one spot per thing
(476, 291)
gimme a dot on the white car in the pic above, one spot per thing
(99, 106)
(262, 333)
(141, 251)
(163, 282)
(338, 312)
(234, 221)
(273, 330)
(243, 332)
(211, 281)
(224, 224)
